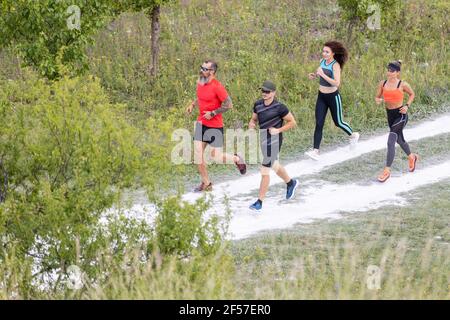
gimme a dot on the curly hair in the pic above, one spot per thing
(340, 53)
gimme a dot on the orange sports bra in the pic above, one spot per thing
(395, 95)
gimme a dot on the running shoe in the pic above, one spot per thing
(384, 175)
(313, 154)
(257, 206)
(290, 191)
(241, 164)
(203, 187)
(354, 138)
(412, 160)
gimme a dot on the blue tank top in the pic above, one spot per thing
(328, 70)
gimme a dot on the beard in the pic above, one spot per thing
(202, 80)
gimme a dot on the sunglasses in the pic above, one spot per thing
(205, 69)
(265, 91)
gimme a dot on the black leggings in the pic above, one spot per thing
(333, 102)
(397, 122)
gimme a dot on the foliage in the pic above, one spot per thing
(45, 32)
(71, 151)
(54, 33)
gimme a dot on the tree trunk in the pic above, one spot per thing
(156, 29)
(350, 27)
(4, 183)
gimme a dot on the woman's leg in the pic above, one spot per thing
(391, 148)
(396, 136)
(321, 113)
(335, 105)
(400, 138)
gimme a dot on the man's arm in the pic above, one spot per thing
(253, 121)
(191, 106)
(289, 123)
(226, 105)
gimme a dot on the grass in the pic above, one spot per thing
(323, 260)
(329, 259)
(431, 151)
(281, 41)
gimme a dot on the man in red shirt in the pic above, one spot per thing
(212, 100)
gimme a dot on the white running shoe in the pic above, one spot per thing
(354, 138)
(313, 154)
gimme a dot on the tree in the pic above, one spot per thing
(356, 13)
(153, 9)
(50, 34)
(69, 154)
(46, 34)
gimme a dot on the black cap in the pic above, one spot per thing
(268, 86)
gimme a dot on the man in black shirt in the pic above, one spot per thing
(274, 118)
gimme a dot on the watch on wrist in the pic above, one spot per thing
(213, 113)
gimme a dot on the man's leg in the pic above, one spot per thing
(219, 156)
(265, 181)
(199, 149)
(281, 171)
(215, 135)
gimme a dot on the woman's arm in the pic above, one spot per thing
(407, 88)
(378, 97)
(313, 75)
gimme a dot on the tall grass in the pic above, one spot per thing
(282, 41)
(253, 41)
(258, 40)
(339, 270)
(336, 269)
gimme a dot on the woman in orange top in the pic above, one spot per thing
(392, 91)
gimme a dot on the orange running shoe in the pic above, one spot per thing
(384, 175)
(412, 159)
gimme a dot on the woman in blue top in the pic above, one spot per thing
(334, 57)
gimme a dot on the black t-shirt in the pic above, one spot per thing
(270, 116)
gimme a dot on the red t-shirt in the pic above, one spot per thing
(210, 96)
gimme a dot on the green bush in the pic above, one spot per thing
(181, 227)
(67, 155)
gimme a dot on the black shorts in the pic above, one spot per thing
(395, 118)
(270, 147)
(212, 136)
